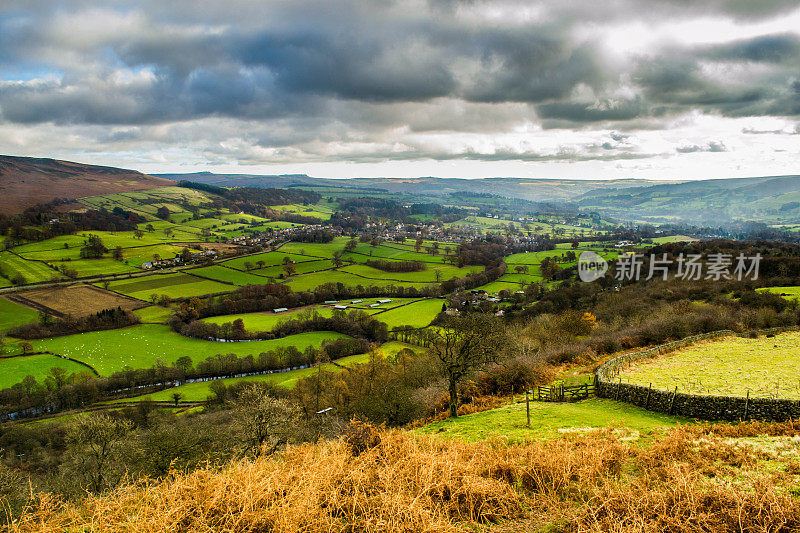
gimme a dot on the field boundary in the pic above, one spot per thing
(705, 407)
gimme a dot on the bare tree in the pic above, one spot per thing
(98, 433)
(464, 345)
(265, 420)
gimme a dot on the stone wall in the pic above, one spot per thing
(690, 405)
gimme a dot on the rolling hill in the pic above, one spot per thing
(27, 181)
(774, 199)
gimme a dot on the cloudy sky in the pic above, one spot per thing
(574, 88)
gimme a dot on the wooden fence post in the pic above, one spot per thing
(528, 406)
(647, 401)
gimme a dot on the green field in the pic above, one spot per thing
(153, 314)
(418, 314)
(174, 285)
(731, 366)
(228, 275)
(269, 259)
(12, 314)
(14, 369)
(550, 420)
(789, 293)
(308, 282)
(31, 271)
(144, 345)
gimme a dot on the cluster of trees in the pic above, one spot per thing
(486, 251)
(313, 235)
(49, 326)
(44, 221)
(355, 324)
(93, 248)
(396, 266)
(476, 279)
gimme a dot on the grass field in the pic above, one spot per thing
(13, 314)
(417, 314)
(306, 282)
(144, 345)
(228, 275)
(174, 285)
(153, 314)
(14, 369)
(269, 259)
(731, 366)
(549, 420)
(31, 271)
(787, 292)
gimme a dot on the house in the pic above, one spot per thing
(147, 266)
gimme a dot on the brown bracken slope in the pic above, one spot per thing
(27, 181)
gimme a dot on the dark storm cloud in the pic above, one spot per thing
(358, 71)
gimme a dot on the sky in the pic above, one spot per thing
(657, 89)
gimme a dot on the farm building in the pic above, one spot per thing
(387, 301)
(341, 307)
(280, 309)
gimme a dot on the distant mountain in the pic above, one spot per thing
(774, 199)
(537, 190)
(26, 181)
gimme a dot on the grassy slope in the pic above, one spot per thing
(12, 314)
(14, 369)
(731, 366)
(547, 418)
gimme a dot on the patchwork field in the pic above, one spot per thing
(174, 285)
(732, 366)
(74, 300)
(144, 345)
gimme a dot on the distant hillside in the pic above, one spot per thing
(26, 181)
(537, 190)
(773, 199)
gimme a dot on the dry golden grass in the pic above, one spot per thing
(689, 480)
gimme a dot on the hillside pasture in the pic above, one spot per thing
(268, 258)
(14, 369)
(551, 420)
(417, 314)
(308, 282)
(31, 271)
(144, 345)
(228, 275)
(174, 285)
(730, 366)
